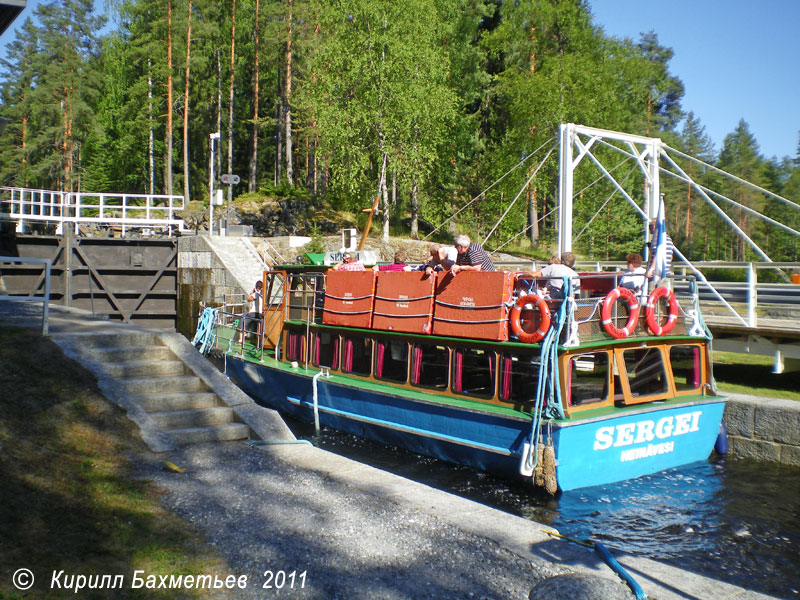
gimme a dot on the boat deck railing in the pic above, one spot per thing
(593, 307)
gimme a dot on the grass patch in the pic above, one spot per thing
(67, 500)
(752, 374)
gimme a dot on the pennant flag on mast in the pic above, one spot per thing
(663, 254)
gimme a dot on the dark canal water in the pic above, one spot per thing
(733, 520)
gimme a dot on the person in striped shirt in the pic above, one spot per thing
(471, 257)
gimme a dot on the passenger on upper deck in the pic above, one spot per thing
(399, 264)
(471, 257)
(348, 264)
(556, 273)
(634, 277)
(442, 258)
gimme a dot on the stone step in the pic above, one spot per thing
(179, 401)
(131, 353)
(144, 386)
(183, 419)
(169, 368)
(109, 340)
(219, 433)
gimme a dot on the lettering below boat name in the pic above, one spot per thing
(644, 432)
(403, 303)
(645, 451)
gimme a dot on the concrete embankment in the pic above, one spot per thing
(765, 429)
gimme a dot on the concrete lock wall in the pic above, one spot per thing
(763, 429)
(201, 278)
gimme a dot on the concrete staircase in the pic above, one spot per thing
(240, 258)
(176, 400)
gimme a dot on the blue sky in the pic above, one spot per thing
(738, 59)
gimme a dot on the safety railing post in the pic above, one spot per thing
(752, 297)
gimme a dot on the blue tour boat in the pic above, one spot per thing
(480, 369)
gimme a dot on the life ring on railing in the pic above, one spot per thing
(650, 313)
(633, 312)
(515, 318)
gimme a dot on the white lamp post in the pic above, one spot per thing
(214, 137)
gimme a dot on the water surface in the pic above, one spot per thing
(729, 519)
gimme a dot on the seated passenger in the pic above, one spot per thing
(399, 264)
(556, 272)
(634, 278)
(348, 264)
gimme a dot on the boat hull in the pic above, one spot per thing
(589, 452)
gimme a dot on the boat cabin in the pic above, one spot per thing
(492, 338)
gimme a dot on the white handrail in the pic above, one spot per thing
(125, 210)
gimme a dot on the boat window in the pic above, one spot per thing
(326, 350)
(473, 372)
(588, 378)
(356, 355)
(295, 346)
(519, 378)
(391, 360)
(686, 371)
(430, 364)
(645, 370)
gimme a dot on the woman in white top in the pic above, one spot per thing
(634, 278)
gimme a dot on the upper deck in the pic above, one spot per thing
(503, 306)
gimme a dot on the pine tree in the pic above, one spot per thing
(66, 92)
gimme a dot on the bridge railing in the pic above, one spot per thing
(146, 212)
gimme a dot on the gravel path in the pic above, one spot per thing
(264, 513)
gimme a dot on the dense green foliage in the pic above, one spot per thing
(424, 103)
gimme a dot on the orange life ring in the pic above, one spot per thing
(633, 312)
(515, 318)
(650, 313)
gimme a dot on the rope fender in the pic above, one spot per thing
(633, 312)
(515, 318)
(650, 313)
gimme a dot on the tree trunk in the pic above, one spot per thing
(230, 111)
(253, 172)
(414, 207)
(168, 133)
(24, 138)
(279, 143)
(151, 142)
(387, 211)
(218, 153)
(288, 90)
(533, 217)
(314, 161)
(186, 194)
